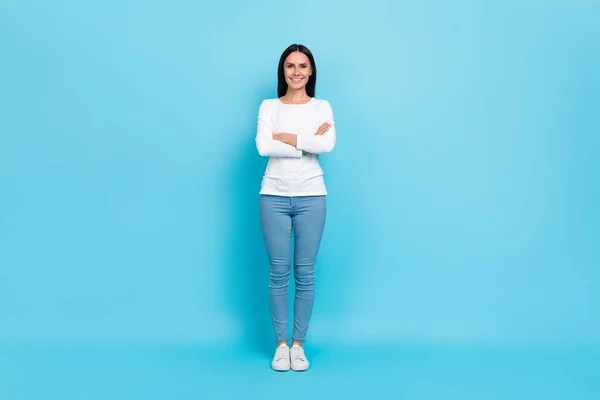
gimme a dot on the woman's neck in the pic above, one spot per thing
(296, 96)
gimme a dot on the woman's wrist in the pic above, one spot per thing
(292, 139)
(288, 138)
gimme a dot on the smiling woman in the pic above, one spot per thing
(293, 130)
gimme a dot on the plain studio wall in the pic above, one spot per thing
(463, 191)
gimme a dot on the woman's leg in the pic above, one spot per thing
(308, 217)
(276, 226)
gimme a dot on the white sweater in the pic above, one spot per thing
(294, 171)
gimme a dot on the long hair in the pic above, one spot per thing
(282, 85)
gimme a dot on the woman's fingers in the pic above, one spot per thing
(323, 129)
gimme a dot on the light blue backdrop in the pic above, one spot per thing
(464, 188)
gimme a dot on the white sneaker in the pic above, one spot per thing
(281, 360)
(298, 359)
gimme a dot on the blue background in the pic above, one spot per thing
(463, 191)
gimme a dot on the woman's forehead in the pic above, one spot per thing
(297, 58)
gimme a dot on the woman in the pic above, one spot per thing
(293, 130)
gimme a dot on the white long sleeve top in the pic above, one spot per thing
(294, 171)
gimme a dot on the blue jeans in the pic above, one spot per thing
(279, 216)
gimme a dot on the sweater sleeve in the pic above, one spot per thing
(320, 144)
(265, 144)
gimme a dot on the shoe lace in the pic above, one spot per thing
(281, 353)
(299, 354)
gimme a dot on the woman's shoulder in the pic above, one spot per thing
(269, 102)
(321, 102)
(323, 105)
(268, 106)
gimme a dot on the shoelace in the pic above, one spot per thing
(300, 354)
(282, 353)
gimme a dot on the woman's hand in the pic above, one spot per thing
(288, 138)
(292, 140)
(323, 129)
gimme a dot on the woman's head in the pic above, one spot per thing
(297, 70)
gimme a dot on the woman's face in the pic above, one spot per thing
(297, 69)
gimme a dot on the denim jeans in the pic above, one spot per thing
(279, 217)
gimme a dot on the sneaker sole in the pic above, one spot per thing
(300, 370)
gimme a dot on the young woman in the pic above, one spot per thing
(293, 130)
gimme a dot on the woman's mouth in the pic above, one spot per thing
(296, 80)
